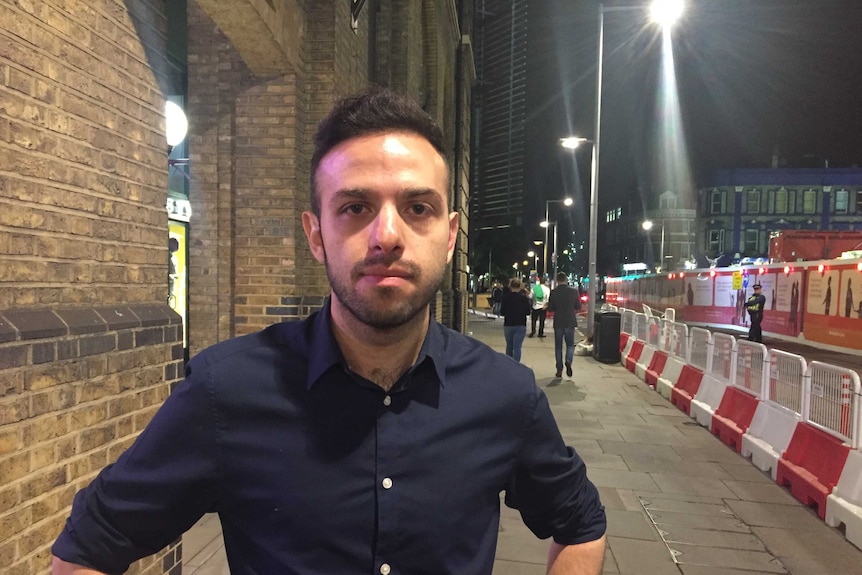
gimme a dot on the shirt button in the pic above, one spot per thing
(387, 483)
(387, 401)
(385, 569)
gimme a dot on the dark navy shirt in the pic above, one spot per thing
(314, 470)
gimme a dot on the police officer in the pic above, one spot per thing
(755, 305)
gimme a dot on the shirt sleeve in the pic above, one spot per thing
(155, 491)
(549, 485)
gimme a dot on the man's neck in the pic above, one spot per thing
(379, 355)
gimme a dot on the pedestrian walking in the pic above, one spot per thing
(564, 302)
(539, 295)
(515, 308)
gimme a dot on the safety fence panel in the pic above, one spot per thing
(678, 340)
(627, 321)
(751, 366)
(669, 314)
(653, 331)
(665, 335)
(723, 348)
(641, 327)
(700, 348)
(832, 401)
(785, 380)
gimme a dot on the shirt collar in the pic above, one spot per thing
(324, 353)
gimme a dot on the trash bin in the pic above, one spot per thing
(606, 337)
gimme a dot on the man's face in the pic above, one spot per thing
(384, 232)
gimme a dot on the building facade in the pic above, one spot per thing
(739, 209)
(666, 246)
(90, 345)
(499, 111)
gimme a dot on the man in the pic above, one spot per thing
(755, 305)
(367, 438)
(497, 298)
(539, 296)
(564, 302)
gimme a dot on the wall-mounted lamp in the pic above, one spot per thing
(176, 124)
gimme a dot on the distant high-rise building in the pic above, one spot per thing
(497, 170)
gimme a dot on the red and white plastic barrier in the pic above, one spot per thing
(844, 504)
(768, 436)
(669, 376)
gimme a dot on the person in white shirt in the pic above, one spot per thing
(539, 295)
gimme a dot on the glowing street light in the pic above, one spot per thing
(535, 256)
(546, 224)
(665, 12)
(648, 225)
(566, 202)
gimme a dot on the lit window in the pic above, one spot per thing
(714, 241)
(716, 202)
(781, 201)
(809, 201)
(753, 203)
(751, 242)
(841, 201)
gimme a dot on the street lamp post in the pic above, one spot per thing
(648, 225)
(664, 12)
(535, 256)
(547, 224)
(566, 202)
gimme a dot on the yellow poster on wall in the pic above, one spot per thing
(177, 273)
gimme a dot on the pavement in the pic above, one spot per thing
(678, 500)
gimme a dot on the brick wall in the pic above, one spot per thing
(88, 349)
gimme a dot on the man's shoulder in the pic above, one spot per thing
(276, 338)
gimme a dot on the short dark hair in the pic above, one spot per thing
(562, 278)
(373, 111)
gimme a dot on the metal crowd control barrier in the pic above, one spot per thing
(628, 321)
(641, 327)
(832, 401)
(723, 361)
(679, 343)
(700, 348)
(653, 331)
(750, 366)
(786, 380)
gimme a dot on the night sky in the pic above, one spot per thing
(752, 75)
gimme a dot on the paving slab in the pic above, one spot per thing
(759, 514)
(675, 483)
(631, 525)
(706, 469)
(745, 471)
(710, 509)
(635, 449)
(636, 557)
(761, 492)
(670, 521)
(822, 551)
(702, 570)
(711, 450)
(672, 534)
(603, 461)
(728, 558)
(622, 479)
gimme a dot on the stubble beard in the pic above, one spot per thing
(388, 309)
